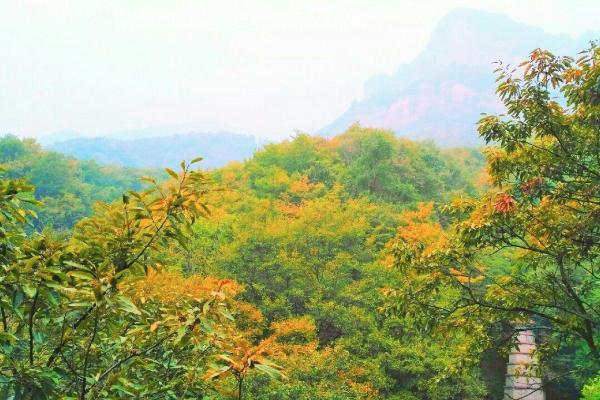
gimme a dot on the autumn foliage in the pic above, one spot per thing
(363, 266)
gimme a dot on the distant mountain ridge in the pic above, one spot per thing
(157, 151)
(441, 94)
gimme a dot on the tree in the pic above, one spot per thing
(68, 187)
(549, 170)
(591, 391)
(11, 148)
(529, 250)
(240, 357)
(81, 318)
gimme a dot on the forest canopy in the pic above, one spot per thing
(362, 266)
(67, 187)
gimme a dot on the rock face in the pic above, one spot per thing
(522, 375)
(441, 94)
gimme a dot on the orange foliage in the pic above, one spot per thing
(504, 203)
(358, 379)
(294, 337)
(288, 209)
(303, 325)
(418, 228)
(172, 288)
(301, 186)
(463, 278)
(483, 180)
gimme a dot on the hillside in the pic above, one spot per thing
(364, 162)
(439, 241)
(303, 226)
(440, 95)
(68, 187)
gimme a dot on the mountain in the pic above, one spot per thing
(157, 151)
(440, 95)
(58, 136)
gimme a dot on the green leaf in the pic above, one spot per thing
(270, 371)
(148, 179)
(8, 337)
(197, 159)
(74, 264)
(225, 312)
(83, 275)
(17, 298)
(82, 304)
(29, 290)
(220, 372)
(127, 305)
(172, 173)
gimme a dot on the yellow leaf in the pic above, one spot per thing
(154, 326)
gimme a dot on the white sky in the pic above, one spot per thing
(262, 67)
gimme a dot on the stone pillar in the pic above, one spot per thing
(523, 381)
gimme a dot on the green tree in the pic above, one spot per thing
(528, 250)
(591, 391)
(91, 317)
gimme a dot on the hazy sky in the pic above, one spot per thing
(262, 67)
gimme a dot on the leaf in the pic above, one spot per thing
(127, 305)
(83, 275)
(154, 326)
(148, 179)
(8, 337)
(226, 359)
(206, 326)
(206, 307)
(197, 159)
(74, 264)
(39, 337)
(270, 371)
(81, 304)
(218, 373)
(225, 312)
(181, 332)
(135, 194)
(29, 290)
(172, 173)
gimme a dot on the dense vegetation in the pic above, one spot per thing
(67, 187)
(358, 267)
